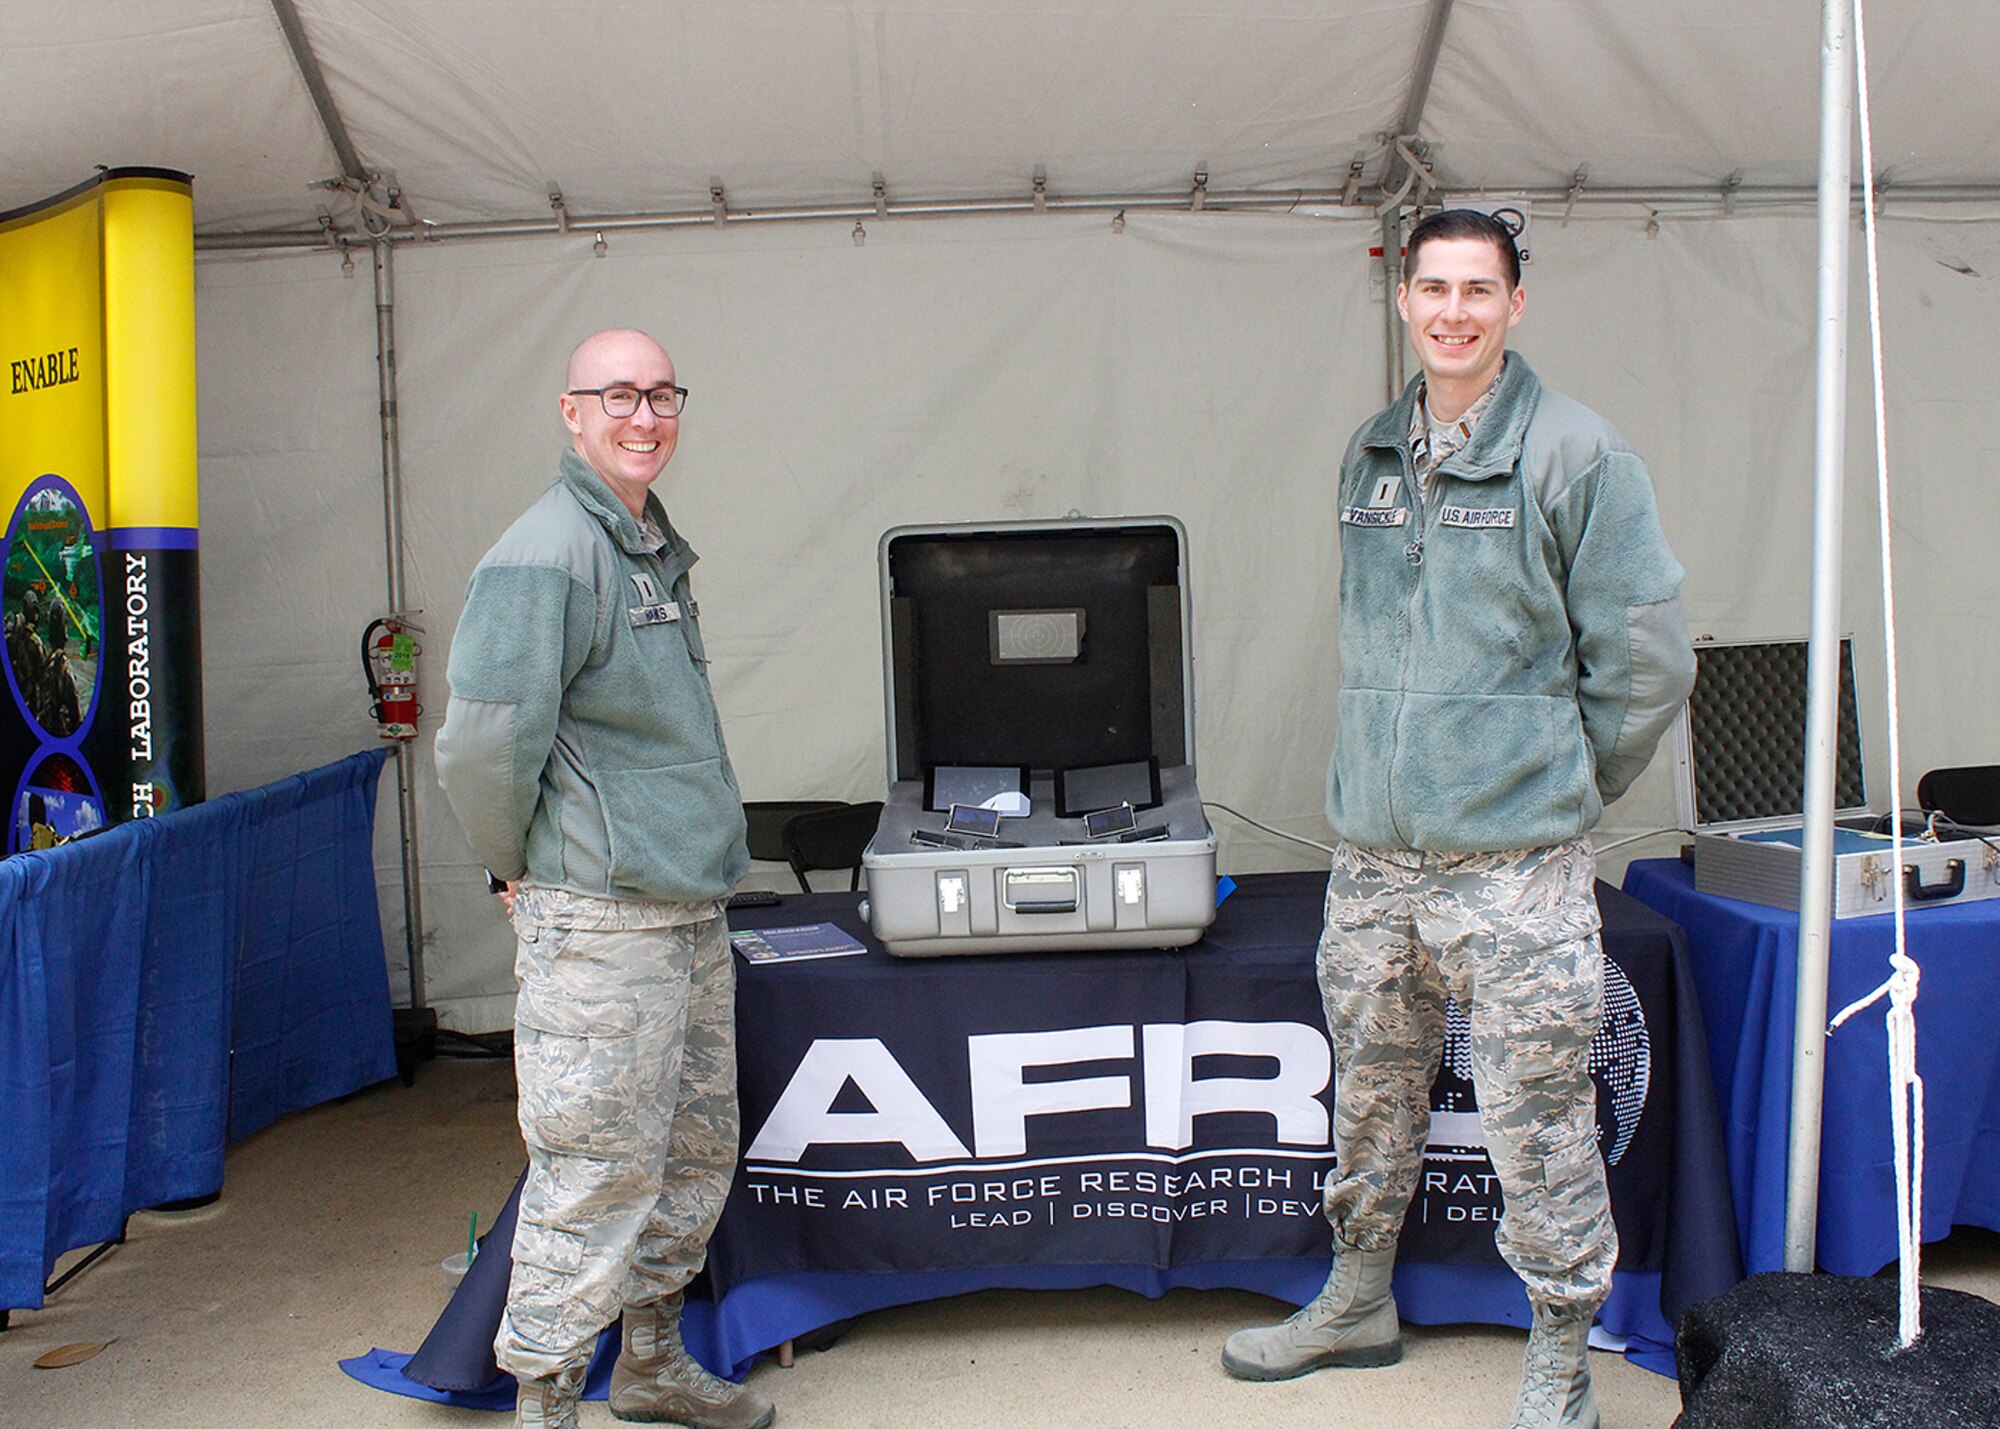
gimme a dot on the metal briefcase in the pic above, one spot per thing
(1739, 764)
(1040, 700)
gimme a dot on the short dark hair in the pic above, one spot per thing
(1464, 223)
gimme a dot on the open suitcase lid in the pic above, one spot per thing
(1043, 644)
(1739, 743)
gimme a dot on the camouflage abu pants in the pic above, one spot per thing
(625, 1053)
(1513, 937)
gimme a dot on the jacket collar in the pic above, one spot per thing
(1496, 441)
(596, 496)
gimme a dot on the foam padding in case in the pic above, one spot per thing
(1747, 730)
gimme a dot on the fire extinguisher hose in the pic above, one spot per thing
(368, 667)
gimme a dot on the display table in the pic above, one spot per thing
(920, 1128)
(1745, 962)
(174, 984)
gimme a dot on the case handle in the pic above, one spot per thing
(1953, 884)
(1043, 890)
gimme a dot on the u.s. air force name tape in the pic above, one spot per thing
(1476, 518)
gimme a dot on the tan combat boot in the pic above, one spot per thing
(656, 1381)
(1555, 1383)
(1351, 1323)
(550, 1402)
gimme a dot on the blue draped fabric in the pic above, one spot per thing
(1744, 958)
(174, 984)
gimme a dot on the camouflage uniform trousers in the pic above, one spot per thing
(625, 1054)
(1513, 937)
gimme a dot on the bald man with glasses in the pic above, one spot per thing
(582, 753)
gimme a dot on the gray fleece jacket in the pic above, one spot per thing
(581, 746)
(1511, 648)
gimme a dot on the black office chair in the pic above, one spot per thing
(830, 838)
(767, 819)
(1967, 795)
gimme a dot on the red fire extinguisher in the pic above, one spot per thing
(389, 663)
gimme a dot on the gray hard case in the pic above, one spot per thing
(1048, 645)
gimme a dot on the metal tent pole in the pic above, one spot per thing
(416, 1025)
(1392, 321)
(1742, 198)
(392, 533)
(1823, 658)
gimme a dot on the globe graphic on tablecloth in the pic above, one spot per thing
(1621, 1059)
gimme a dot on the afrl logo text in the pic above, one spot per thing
(1163, 1090)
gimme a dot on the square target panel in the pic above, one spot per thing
(1035, 637)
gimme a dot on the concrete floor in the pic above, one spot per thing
(330, 1229)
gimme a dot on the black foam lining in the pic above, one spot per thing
(955, 705)
(1747, 722)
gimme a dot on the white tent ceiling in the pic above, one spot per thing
(476, 107)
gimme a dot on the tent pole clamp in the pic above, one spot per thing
(393, 191)
(1415, 157)
(1350, 195)
(1041, 189)
(1198, 195)
(560, 209)
(717, 204)
(1729, 187)
(1575, 193)
(881, 195)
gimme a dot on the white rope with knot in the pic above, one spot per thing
(1906, 1088)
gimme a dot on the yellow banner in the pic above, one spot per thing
(101, 594)
(52, 337)
(149, 352)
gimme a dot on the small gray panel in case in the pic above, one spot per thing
(1036, 637)
(1168, 655)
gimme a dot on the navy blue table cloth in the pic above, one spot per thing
(920, 1128)
(1744, 957)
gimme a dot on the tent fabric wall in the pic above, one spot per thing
(1209, 366)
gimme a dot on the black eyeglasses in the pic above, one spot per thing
(624, 401)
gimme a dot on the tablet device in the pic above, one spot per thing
(974, 820)
(975, 784)
(1081, 790)
(1107, 823)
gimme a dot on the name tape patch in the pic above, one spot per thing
(662, 613)
(1476, 518)
(1371, 516)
